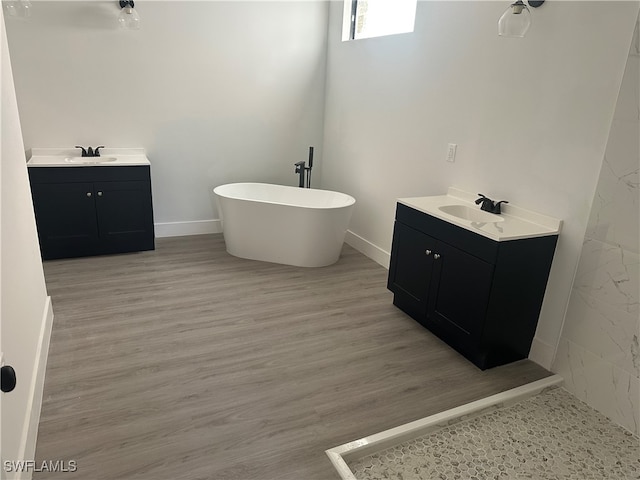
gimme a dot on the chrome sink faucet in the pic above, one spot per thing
(489, 205)
(90, 152)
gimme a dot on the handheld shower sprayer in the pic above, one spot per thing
(309, 167)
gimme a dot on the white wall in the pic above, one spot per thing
(216, 92)
(599, 355)
(25, 313)
(530, 117)
(223, 91)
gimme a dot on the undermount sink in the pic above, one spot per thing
(471, 214)
(89, 160)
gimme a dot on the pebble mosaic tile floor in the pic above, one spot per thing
(552, 435)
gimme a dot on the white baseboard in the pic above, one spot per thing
(541, 353)
(200, 227)
(30, 431)
(367, 248)
(180, 229)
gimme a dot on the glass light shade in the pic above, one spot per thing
(17, 8)
(26, 6)
(515, 21)
(10, 9)
(129, 19)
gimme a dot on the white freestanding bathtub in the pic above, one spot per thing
(275, 223)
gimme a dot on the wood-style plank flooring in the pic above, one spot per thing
(188, 363)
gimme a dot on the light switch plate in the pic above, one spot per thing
(451, 152)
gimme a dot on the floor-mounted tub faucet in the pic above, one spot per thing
(302, 170)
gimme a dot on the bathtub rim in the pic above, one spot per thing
(349, 200)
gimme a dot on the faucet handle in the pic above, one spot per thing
(481, 199)
(96, 152)
(496, 206)
(84, 152)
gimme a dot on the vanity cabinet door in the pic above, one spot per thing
(481, 296)
(459, 293)
(66, 218)
(83, 211)
(411, 268)
(125, 218)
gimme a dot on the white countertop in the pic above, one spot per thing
(70, 157)
(515, 223)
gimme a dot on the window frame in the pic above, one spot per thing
(350, 22)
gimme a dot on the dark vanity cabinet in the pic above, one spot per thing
(481, 296)
(93, 210)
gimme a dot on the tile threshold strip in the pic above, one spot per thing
(394, 436)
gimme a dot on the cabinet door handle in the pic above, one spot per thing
(427, 252)
(99, 194)
(88, 194)
(436, 256)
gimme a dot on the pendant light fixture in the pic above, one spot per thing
(128, 18)
(516, 19)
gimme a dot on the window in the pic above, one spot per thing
(376, 18)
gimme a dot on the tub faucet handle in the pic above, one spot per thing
(84, 151)
(300, 170)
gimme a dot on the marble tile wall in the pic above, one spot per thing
(598, 354)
